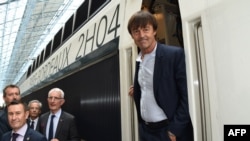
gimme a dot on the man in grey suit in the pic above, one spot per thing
(17, 115)
(58, 125)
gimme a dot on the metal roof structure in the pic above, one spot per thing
(26, 26)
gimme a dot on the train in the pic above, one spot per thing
(92, 59)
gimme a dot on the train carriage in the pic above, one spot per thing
(92, 58)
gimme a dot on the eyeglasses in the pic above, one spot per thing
(55, 98)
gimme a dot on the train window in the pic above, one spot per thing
(47, 51)
(81, 14)
(34, 66)
(29, 71)
(38, 61)
(169, 24)
(41, 57)
(68, 28)
(57, 40)
(95, 5)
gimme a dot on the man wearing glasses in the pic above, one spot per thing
(58, 125)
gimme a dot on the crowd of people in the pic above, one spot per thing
(19, 121)
(159, 92)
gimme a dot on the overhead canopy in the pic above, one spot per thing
(26, 26)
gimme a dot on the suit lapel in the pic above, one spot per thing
(28, 122)
(44, 124)
(157, 68)
(8, 136)
(60, 124)
(37, 125)
(27, 135)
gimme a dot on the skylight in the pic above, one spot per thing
(26, 26)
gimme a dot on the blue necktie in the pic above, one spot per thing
(32, 125)
(51, 128)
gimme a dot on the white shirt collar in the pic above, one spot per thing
(58, 113)
(22, 130)
(138, 59)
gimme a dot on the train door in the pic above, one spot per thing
(169, 32)
(216, 40)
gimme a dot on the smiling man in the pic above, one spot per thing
(10, 92)
(58, 125)
(17, 115)
(160, 87)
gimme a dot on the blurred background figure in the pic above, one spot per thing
(34, 107)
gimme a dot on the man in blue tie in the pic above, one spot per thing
(51, 127)
(58, 125)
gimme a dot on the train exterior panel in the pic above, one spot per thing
(87, 66)
(216, 38)
(101, 29)
(94, 65)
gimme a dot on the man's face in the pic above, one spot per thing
(17, 116)
(34, 110)
(11, 94)
(144, 37)
(55, 101)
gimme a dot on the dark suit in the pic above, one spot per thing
(30, 135)
(66, 129)
(4, 124)
(170, 90)
(37, 126)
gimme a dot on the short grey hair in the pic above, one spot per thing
(57, 90)
(35, 101)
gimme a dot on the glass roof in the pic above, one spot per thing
(26, 27)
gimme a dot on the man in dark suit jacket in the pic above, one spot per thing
(64, 126)
(35, 107)
(160, 87)
(17, 116)
(10, 92)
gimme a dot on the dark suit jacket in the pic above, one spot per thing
(30, 135)
(4, 124)
(170, 90)
(66, 129)
(37, 126)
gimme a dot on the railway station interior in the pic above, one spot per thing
(26, 26)
(84, 48)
